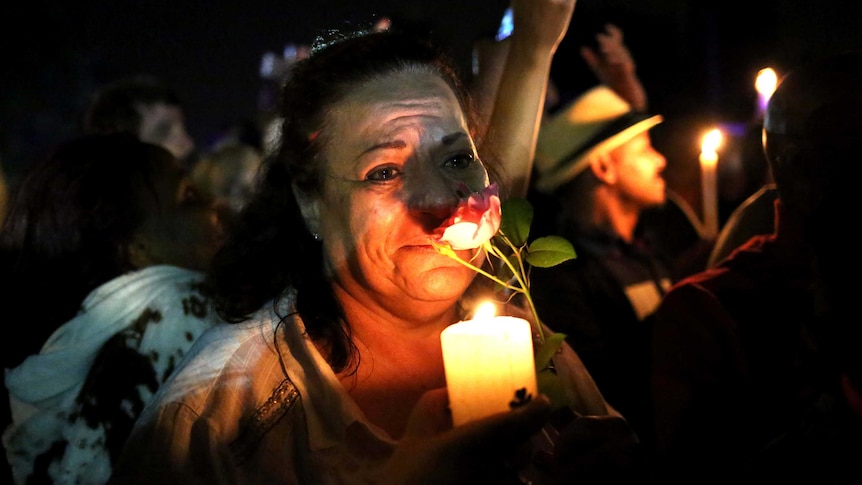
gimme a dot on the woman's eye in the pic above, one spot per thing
(460, 160)
(382, 174)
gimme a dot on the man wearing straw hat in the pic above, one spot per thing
(596, 172)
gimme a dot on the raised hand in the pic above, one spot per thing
(613, 65)
(543, 22)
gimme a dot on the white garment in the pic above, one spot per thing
(156, 312)
(256, 402)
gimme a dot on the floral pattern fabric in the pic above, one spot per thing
(74, 403)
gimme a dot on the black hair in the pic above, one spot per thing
(813, 128)
(114, 107)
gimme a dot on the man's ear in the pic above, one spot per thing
(309, 206)
(603, 168)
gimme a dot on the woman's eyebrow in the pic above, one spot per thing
(399, 144)
(390, 144)
(450, 139)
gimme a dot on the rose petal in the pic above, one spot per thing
(474, 222)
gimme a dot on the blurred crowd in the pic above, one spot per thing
(267, 307)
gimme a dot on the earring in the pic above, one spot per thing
(316, 236)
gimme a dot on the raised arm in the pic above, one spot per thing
(614, 67)
(513, 127)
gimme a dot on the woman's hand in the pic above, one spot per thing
(594, 449)
(489, 450)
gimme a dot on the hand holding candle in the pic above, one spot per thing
(709, 189)
(489, 364)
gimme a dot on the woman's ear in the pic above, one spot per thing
(309, 206)
(138, 252)
(602, 167)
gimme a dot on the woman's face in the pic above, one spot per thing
(397, 154)
(181, 226)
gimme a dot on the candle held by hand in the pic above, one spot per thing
(489, 365)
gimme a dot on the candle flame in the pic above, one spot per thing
(766, 82)
(711, 141)
(485, 311)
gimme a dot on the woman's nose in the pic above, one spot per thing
(432, 199)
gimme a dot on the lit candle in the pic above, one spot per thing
(765, 85)
(709, 190)
(487, 361)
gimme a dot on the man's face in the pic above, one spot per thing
(639, 170)
(163, 124)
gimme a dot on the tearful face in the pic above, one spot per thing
(398, 155)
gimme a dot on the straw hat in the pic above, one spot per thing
(596, 122)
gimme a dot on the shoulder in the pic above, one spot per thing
(743, 268)
(579, 387)
(154, 286)
(227, 395)
(694, 310)
(167, 309)
(227, 364)
(221, 360)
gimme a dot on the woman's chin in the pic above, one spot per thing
(454, 280)
(440, 283)
(435, 275)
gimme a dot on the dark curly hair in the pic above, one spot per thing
(68, 228)
(271, 251)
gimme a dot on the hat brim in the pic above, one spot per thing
(615, 134)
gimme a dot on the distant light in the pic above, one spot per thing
(766, 81)
(765, 85)
(267, 65)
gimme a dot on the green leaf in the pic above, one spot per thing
(551, 385)
(546, 377)
(549, 251)
(517, 216)
(546, 352)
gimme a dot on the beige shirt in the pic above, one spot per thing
(257, 403)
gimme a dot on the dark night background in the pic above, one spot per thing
(696, 58)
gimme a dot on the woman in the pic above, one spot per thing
(104, 250)
(335, 374)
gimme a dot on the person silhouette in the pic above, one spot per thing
(754, 373)
(146, 107)
(110, 231)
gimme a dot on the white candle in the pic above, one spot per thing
(709, 189)
(487, 361)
